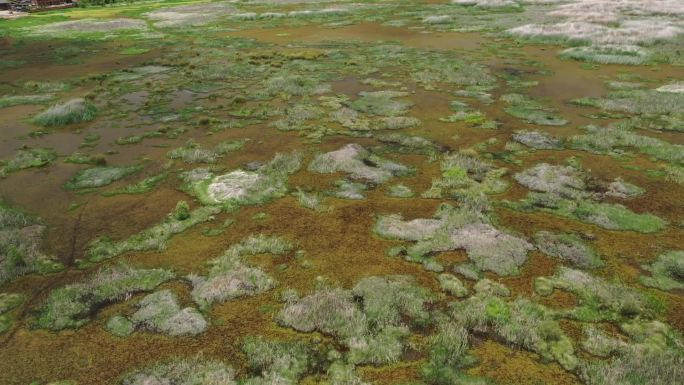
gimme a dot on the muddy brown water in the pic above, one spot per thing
(339, 245)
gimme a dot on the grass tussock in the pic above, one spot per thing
(72, 305)
(243, 187)
(154, 238)
(27, 158)
(183, 371)
(16, 100)
(598, 298)
(468, 228)
(667, 271)
(360, 163)
(160, 312)
(521, 323)
(568, 248)
(192, 152)
(21, 238)
(230, 277)
(531, 111)
(572, 193)
(100, 176)
(372, 320)
(8, 302)
(73, 111)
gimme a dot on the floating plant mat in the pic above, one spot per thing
(337, 192)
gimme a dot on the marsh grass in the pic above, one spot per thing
(100, 176)
(611, 216)
(120, 326)
(400, 191)
(570, 192)
(183, 371)
(230, 277)
(160, 312)
(73, 111)
(21, 238)
(360, 163)
(345, 189)
(537, 140)
(27, 158)
(608, 54)
(407, 144)
(452, 285)
(448, 357)
(667, 271)
(522, 107)
(8, 302)
(600, 299)
(568, 248)
(72, 305)
(372, 320)
(141, 187)
(312, 200)
(465, 174)
(637, 364)
(81, 158)
(15, 100)
(468, 228)
(154, 238)
(381, 103)
(562, 181)
(240, 187)
(614, 139)
(520, 322)
(280, 361)
(192, 152)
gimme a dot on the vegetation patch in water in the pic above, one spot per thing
(21, 238)
(160, 312)
(667, 271)
(73, 111)
(374, 333)
(184, 371)
(141, 187)
(27, 158)
(192, 152)
(520, 322)
(230, 277)
(8, 302)
(537, 140)
(15, 100)
(71, 306)
(242, 187)
(531, 111)
(100, 176)
(598, 298)
(568, 248)
(360, 163)
(154, 238)
(565, 191)
(458, 228)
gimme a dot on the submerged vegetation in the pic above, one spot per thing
(264, 192)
